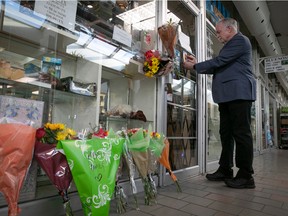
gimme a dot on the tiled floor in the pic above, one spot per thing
(204, 198)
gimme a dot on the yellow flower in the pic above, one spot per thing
(61, 136)
(71, 132)
(155, 134)
(56, 126)
(154, 69)
(154, 60)
(55, 132)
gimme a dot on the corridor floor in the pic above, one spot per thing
(204, 198)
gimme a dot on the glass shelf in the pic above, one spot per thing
(14, 88)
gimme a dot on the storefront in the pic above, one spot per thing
(99, 46)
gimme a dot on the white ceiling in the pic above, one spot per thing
(267, 22)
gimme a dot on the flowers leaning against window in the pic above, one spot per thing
(155, 65)
(52, 161)
(51, 133)
(151, 63)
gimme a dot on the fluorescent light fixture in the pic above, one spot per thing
(101, 47)
(83, 38)
(77, 50)
(135, 15)
(123, 56)
(143, 17)
(111, 63)
(95, 57)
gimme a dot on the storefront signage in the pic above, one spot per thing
(60, 12)
(122, 36)
(276, 64)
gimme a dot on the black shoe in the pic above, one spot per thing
(240, 183)
(220, 176)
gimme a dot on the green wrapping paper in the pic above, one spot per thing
(156, 145)
(94, 164)
(138, 142)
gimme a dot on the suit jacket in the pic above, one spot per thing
(233, 78)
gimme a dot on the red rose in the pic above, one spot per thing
(40, 133)
(149, 54)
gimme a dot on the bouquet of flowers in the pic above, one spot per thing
(119, 194)
(130, 165)
(164, 160)
(138, 141)
(155, 65)
(52, 161)
(168, 36)
(51, 133)
(94, 164)
(96, 131)
(16, 152)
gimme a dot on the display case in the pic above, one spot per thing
(27, 40)
(80, 111)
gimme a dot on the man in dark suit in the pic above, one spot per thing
(234, 90)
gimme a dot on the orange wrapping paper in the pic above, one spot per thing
(16, 152)
(168, 36)
(164, 160)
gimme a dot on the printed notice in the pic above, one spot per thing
(122, 36)
(276, 64)
(60, 12)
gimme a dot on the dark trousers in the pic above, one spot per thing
(235, 122)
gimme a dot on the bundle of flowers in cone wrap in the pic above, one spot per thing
(168, 36)
(130, 164)
(119, 194)
(138, 143)
(16, 152)
(164, 160)
(155, 149)
(52, 161)
(94, 163)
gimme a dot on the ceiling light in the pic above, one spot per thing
(90, 6)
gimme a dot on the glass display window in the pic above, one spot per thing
(182, 104)
(41, 58)
(214, 144)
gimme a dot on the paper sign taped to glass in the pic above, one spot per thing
(94, 164)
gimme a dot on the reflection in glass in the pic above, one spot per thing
(183, 153)
(184, 92)
(181, 108)
(181, 122)
(214, 143)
